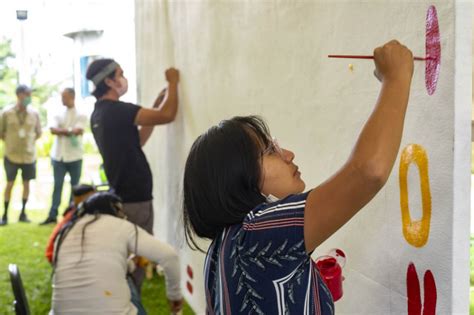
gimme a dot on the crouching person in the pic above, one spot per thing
(90, 261)
(80, 194)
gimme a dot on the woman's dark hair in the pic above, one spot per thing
(97, 204)
(101, 203)
(95, 67)
(222, 177)
(82, 189)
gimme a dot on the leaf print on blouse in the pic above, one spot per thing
(245, 258)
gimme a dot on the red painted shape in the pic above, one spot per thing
(189, 271)
(189, 286)
(413, 291)
(429, 304)
(433, 50)
(414, 295)
(340, 253)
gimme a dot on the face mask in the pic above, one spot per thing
(123, 88)
(26, 101)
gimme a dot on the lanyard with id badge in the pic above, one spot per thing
(21, 120)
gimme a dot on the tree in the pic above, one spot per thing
(8, 75)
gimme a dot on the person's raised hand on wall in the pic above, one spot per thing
(393, 61)
(172, 76)
(164, 109)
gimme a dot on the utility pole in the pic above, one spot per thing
(24, 75)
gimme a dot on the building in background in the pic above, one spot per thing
(61, 37)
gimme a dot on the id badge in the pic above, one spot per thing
(21, 133)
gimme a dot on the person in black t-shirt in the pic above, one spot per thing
(121, 130)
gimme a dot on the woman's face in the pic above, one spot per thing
(280, 176)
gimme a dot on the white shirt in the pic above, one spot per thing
(96, 284)
(68, 149)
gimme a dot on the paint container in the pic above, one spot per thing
(330, 268)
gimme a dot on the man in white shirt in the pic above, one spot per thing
(66, 154)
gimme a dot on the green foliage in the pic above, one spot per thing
(9, 81)
(8, 75)
(44, 144)
(41, 93)
(90, 147)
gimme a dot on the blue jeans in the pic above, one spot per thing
(136, 300)
(60, 169)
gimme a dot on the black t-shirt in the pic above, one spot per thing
(118, 140)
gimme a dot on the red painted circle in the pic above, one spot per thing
(189, 271)
(189, 286)
(433, 50)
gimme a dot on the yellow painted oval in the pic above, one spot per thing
(416, 232)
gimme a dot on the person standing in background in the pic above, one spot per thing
(20, 127)
(66, 154)
(121, 130)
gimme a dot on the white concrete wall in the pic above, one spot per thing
(269, 58)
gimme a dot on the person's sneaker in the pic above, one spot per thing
(23, 218)
(48, 221)
(3, 221)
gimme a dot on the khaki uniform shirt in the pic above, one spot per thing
(19, 131)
